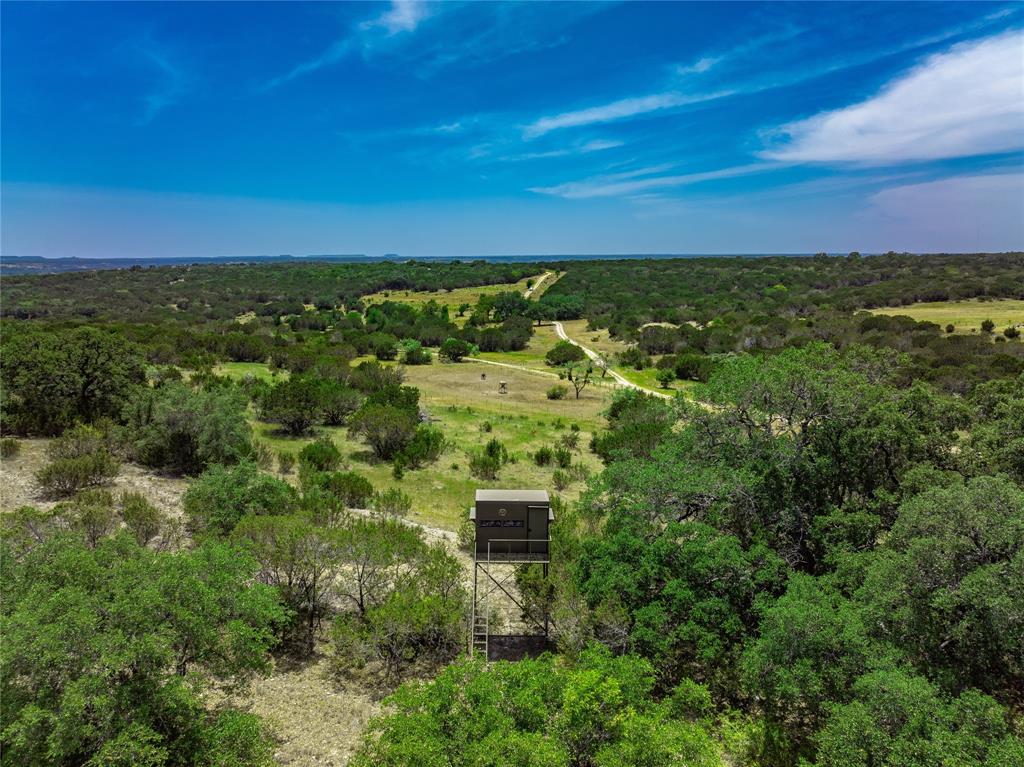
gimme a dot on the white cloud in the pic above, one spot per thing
(616, 110)
(623, 184)
(967, 101)
(172, 85)
(700, 66)
(402, 16)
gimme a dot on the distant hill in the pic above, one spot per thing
(39, 265)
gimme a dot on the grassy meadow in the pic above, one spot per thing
(965, 316)
(258, 370)
(469, 411)
(450, 298)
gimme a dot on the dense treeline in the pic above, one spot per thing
(835, 553)
(625, 295)
(195, 294)
(685, 314)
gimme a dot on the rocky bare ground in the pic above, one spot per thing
(18, 486)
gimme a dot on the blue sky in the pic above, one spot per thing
(457, 129)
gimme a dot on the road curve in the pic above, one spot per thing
(619, 378)
(529, 291)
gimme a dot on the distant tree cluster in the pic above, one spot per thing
(689, 312)
(194, 294)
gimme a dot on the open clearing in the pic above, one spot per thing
(18, 486)
(609, 348)
(258, 370)
(464, 406)
(453, 299)
(965, 316)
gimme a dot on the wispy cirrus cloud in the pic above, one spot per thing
(681, 94)
(660, 101)
(422, 38)
(966, 101)
(575, 149)
(403, 16)
(644, 180)
(172, 82)
(632, 106)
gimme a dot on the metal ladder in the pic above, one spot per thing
(480, 632)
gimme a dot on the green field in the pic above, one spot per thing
(462, 405)
(648, 378)
(965, 316)
(258, 370)
(450, 298)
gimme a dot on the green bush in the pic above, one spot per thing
(351, 489)
(93, 516)
(285, 462)
(484, 466)
(597, 710)
(143, 520)
(9, 447)
(79, 458)
(183, 430)
(222, 496)
(52, 377)
(543, 456)
(320, 455)
(665, 377)
(295, 404)
(496, 449)
(466, 534)
(262, 454)
(560, 479)
(387, 429)
(563, 457)
(105, 644)
(558, 391)
(564, 352)
(413, 353)
(391, 503)
(416, 616)
(454, 349)
(693, 367)
(425, 447)
(337, 402)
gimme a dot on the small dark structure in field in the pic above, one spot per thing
(511, 533)
(502, 387)
(512, 525)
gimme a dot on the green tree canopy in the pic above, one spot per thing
(106, 650)
(50, 379)
(184, 430)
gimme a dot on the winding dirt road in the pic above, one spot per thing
(619, 378)
(529, 291)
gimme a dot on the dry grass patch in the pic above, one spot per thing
(598, 340)
(965, 316)
(450, 298)
(18, 486)
(317, 720)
